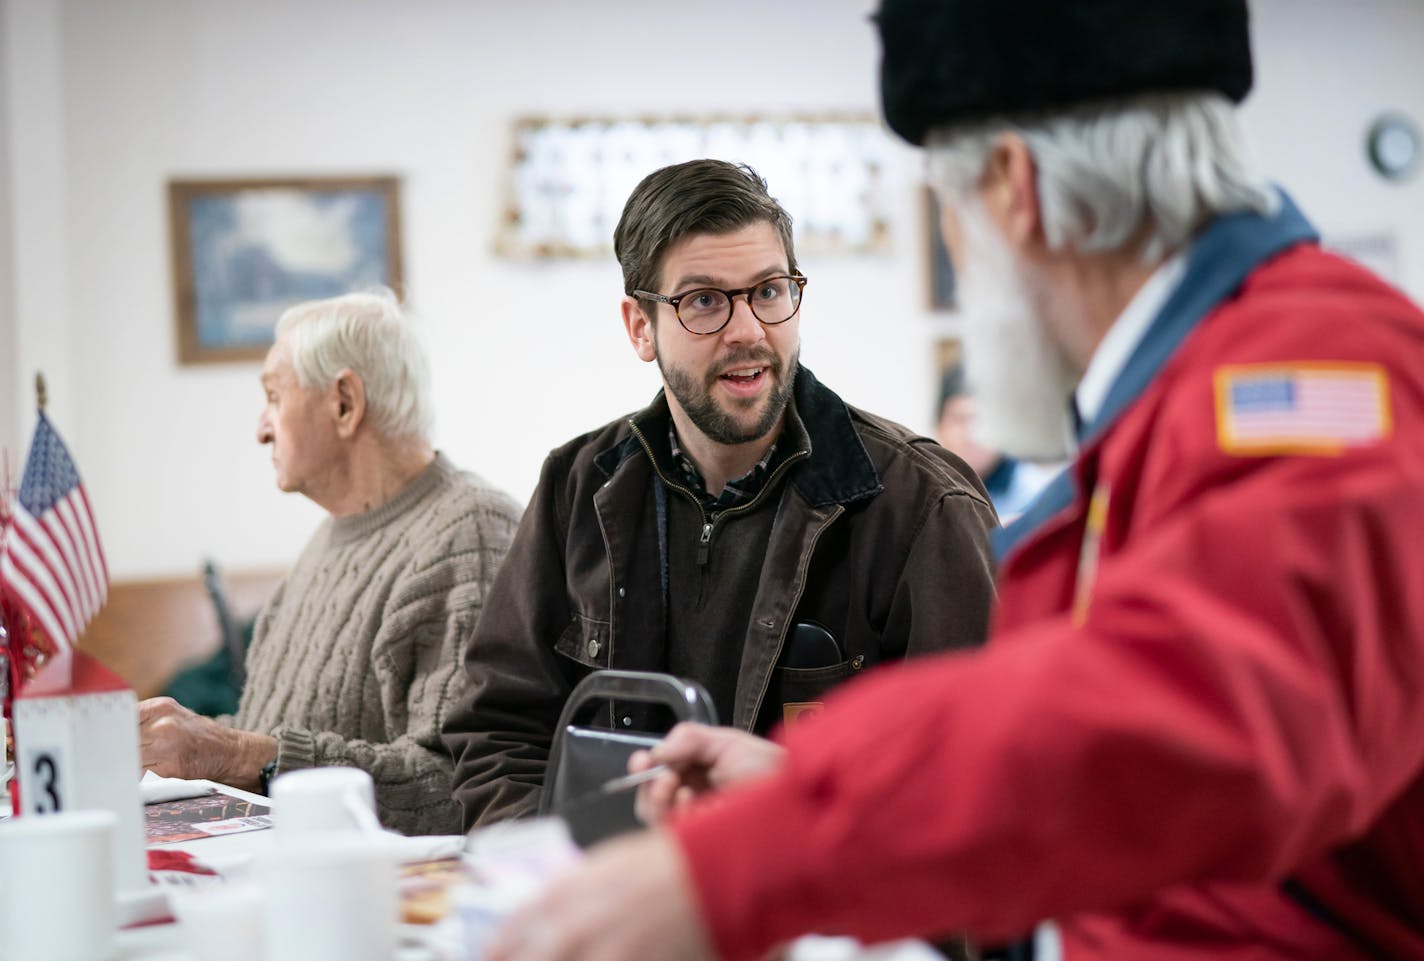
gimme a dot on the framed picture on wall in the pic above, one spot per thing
(569, 177)
(941, 269)
(246, 250)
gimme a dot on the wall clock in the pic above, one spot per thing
(1394, 146)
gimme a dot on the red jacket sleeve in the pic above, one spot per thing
(1246, 692)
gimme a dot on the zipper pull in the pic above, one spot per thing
(704, 543)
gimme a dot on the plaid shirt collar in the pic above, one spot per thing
(738, 491)
(833, 466)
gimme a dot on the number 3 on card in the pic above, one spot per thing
(42, 780)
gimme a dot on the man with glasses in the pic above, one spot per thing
(747, 530)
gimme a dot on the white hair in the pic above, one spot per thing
(1149, 169)
(370, 334)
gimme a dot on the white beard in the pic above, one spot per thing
(1019, 376)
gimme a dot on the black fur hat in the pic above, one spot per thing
(952, 60)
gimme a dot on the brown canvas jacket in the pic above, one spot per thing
(881, 536)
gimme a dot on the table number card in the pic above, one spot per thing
(76, 748)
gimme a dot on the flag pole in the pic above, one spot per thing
(41, 394)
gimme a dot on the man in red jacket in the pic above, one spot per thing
(1198, 729)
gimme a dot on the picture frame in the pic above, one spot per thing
(568, 177)
(948, 354)
(942, 289)
(244, 250)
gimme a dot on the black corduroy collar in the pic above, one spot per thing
(839, 470)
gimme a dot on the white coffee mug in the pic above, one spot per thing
(331, 897)
(318, 799)
(57, 887)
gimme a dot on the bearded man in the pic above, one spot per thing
(696, 536)
(1198, 728)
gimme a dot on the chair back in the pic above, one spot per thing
(232, 641)
(584, 758)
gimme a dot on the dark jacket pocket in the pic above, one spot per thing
(798, 685)
(586, 641)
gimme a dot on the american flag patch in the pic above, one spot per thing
(1313, 408)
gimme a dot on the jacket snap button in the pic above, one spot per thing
(621, 592)
(857, 662)
(627, 721)
(593, 647)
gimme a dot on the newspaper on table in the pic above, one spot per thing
(178, 810)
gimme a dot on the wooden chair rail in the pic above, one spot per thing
(150, 629)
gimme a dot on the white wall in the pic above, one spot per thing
(1325, 69)
(122, 96)
(9, 412)
(37, 268)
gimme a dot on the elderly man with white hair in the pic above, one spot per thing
(1197, 729)
(356, 658)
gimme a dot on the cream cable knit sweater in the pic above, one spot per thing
(357, 657)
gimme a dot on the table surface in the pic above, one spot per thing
(232, 854)
(154, 942)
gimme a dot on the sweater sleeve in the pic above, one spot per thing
(417, 677)
(1217, 717)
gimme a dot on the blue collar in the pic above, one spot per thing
(1219, 262)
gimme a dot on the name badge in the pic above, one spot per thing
(800, 710)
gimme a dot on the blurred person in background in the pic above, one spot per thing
(1011, 483)
(355, 659)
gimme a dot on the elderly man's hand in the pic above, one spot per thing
(629, 898)
(700, 759)
(175, 742)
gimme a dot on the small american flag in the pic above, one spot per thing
(50, 560)
(1310, 408)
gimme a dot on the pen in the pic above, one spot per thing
(628, 781)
